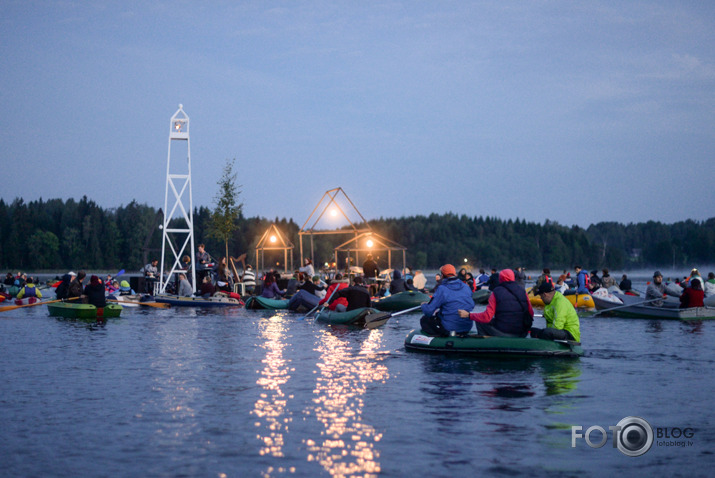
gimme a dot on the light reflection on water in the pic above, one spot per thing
(270, 408)
(347, 445)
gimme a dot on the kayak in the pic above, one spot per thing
(362, 317)
(400, 301)
(215, 301)
(481, 296)
(26, 300)
(582, 301)
(257, 302)
(474, 344)
(633, 308)
(83, 311)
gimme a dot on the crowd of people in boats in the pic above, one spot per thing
(71, 286)
(509, 311)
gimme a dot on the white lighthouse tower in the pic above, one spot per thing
(179, 209)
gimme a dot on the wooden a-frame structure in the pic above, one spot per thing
(274, 240)
(360, 229)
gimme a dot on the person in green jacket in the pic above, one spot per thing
(561, 317)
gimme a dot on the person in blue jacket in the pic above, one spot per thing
(449, 297)
(583, 282)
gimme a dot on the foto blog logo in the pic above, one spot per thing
(633, 436)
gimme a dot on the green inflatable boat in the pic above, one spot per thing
(483, 345)
(400, 301)
(83, 311)
(257, 302)
(363, 317)
(481, 296)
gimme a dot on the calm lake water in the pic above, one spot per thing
(254, 393)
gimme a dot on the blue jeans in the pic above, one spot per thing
(304, 298)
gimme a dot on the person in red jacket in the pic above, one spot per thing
(341, 302)
(693, 296)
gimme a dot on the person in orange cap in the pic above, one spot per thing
(451, 295)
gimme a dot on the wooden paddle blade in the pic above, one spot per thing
(160, 305)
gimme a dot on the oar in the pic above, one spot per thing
(160, 305)
(626, 305)
(39, 302)
(324, 303)
(373, 321)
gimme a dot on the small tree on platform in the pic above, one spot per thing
(228, 209)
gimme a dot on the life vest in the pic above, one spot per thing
(29, 292)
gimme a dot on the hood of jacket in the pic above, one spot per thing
(506, 275)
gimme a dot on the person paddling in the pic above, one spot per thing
(657, 290)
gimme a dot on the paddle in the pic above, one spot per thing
(160, 305)
(39, 302)
(373, 321)
(626, 305)
(324, 303)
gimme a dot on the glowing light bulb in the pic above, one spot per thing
(333, 212)
(273, 239)
(369, 243)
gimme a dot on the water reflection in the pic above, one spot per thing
(270, 408)
(175, 385)
(347, 445)
(502, 378)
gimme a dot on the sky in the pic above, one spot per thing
(573, 112)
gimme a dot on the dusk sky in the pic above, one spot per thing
(575, 112)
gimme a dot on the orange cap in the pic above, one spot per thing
(448, 270)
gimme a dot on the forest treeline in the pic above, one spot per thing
(69, 234)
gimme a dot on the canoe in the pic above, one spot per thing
(215, 301)
(257, 302)
(633, 308)
(481, 296)
(474, 344)
(582, 301)
(400, 301)
(83, 311)
(362, 317)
